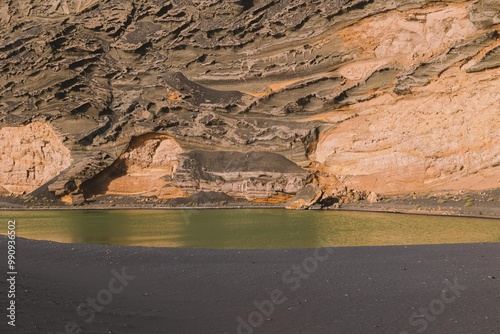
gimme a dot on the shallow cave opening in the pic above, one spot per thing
(247, 4)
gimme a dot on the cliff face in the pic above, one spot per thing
(434, 125)
(253, 98)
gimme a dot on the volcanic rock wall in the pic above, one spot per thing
(386, 96)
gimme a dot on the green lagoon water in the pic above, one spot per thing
(247, 229)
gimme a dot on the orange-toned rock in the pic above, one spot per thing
(31, 155)
(144, 169)
(443, 137)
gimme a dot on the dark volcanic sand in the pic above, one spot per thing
(356, 290)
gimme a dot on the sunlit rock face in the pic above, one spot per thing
(31, 155)
(444, 137)
(384, 96)
(143, 169)
(435, 123)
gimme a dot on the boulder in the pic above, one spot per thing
(77, 199)
(305, 197)
(372, 198)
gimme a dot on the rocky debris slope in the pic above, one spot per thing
(143, 96)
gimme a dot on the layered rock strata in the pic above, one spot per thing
(140, 97)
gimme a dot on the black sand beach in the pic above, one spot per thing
(336, 290)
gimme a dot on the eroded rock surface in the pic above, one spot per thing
(143, 169)
(253, 175)
(31, 156)
(143, 96)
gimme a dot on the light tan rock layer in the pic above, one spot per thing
(443, 132)
(143, 169)
(445, 136)
(31, 155)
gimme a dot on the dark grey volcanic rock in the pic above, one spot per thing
(253, 175)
